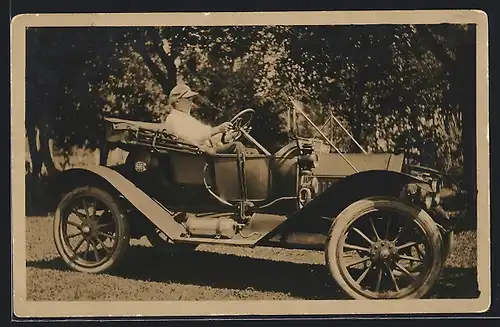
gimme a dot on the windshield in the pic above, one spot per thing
(321, 135)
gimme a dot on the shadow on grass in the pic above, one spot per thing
(457, 283)
(306, 281)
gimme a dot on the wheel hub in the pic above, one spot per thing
(90, 229)
(383, 251)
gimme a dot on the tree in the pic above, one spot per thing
(393, 86)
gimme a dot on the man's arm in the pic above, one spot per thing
(222, 128)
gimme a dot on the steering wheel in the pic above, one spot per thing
(240, 121)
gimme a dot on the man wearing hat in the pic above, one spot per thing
(180, 123)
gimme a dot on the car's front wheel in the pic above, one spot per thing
(382, 248)
(91, 232)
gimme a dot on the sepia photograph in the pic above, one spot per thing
(250, 163)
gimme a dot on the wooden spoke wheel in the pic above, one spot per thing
(381, 248)
(90, 231)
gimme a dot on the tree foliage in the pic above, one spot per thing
(393, 86)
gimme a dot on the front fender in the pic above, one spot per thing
(317, 215)
(100, 175)
(360, 185)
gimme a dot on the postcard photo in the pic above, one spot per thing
(192, 164)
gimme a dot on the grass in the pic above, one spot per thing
(212, 273)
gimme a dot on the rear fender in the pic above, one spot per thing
(317, 215)
(115, 182)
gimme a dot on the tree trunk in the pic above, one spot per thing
(36, 160)
(356, 134)
(139, 45)
(466, 56)
(103, 154)
(45, 151)
(155, 70)
(167, 59)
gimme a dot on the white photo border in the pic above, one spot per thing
(24, 308)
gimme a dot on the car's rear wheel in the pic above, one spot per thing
(91, 232)
(381, 248)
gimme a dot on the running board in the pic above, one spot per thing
(235, 241)
(260, 225)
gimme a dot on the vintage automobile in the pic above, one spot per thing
(378, 220)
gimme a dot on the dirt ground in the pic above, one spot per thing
(212, 273)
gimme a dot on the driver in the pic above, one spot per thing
(180, 123)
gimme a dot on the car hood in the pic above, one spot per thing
(333, 164)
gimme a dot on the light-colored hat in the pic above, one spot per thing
(180, 91)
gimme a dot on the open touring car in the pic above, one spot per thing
(378, 220)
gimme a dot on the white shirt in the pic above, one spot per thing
(187, 128)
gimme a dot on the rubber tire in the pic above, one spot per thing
(123, 226)
(347, 216)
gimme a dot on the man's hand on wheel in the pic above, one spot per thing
(224, 127)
